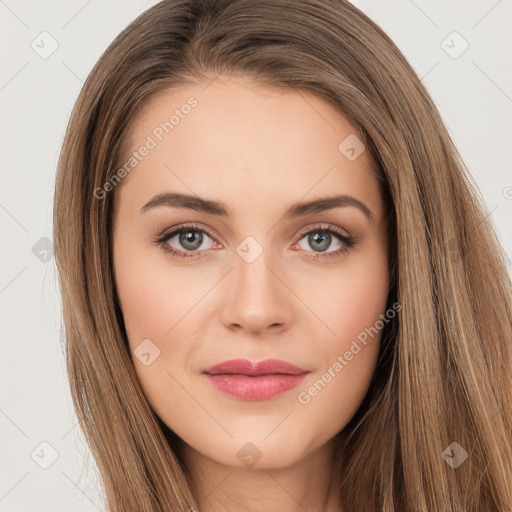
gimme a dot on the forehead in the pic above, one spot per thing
(232, 135)
(237, 104)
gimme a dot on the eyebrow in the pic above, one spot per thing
(218, 208)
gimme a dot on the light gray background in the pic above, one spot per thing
(472, 91)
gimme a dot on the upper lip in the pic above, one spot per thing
(245, 367)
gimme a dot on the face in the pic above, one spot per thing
(217, 257)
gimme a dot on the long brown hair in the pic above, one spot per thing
(445, 369)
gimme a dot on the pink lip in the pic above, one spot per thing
(255, 381)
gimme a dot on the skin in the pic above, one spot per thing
(258, 150)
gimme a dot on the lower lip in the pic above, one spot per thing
(260, 387)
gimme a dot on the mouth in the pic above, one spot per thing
(254, 381)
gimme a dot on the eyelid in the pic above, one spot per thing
(346, 238)
(322, 226)
(182, 227)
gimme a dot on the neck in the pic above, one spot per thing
(309, 484)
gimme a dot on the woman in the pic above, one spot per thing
(280, 289)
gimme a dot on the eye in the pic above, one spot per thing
(188, 238)
(186, 241)
(323, 237)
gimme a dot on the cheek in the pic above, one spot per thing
(351, 298)
(154, 308)
(145, 311)
(152, 298)
(351, 307)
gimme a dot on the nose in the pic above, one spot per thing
(258, 297)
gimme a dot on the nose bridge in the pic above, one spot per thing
(257, 298)
(252, 263)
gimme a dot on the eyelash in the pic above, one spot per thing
(348, 240)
